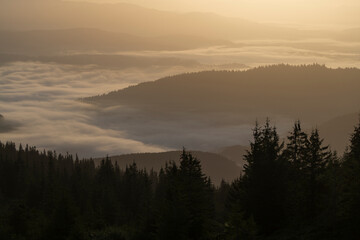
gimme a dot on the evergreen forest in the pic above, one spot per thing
(293, 189)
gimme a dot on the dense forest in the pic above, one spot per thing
(297, 189)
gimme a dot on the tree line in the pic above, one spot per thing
(297, 189)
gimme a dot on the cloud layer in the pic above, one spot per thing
(41, 99)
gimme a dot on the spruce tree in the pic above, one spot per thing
(263, 179)
(295, 148)
(198, 193)
(316, 159)
(239, 225)
(351, 185)
(294, 156)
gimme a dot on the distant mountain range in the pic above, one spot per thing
(145, 22)
(80, 40)
(214, 165)
(105, 60)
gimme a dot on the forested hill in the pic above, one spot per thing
(307, 92)
(215, 166)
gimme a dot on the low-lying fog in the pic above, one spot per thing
(39, 100)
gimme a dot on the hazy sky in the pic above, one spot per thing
(306, 12)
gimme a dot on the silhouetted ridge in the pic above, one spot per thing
(296, 91)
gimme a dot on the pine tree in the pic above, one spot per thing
(317, 157)
(198, 193)
(351, 184)
(294, 156)
(187, 208)
(354, 149)
(295, 148)
(238, 225)
(263, 179)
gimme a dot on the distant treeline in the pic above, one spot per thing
(294, 190)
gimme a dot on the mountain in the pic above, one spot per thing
(139, 21)
(79, 40)
(312, 93)
(213, 165)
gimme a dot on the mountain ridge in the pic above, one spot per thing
(286, 90)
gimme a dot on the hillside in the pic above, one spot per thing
(312, 93)
(213, 165)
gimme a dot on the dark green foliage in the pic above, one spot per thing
(239, 224)
(187, 201)
(302, 191)
(263, 183)
(351, 187)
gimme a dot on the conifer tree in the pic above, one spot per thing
(239, 224)
(198, 193)
(295, 148)
(316, 159)
(294, 156)
(263, 179)
(351, 184)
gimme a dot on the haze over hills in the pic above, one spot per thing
(104, 60)
(84, 79)
(146, 22)
(68, 28)
(215, 166)
(312, 93)
(80, 40)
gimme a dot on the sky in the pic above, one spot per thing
(297, 12)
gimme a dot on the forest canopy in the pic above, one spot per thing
(297, 189)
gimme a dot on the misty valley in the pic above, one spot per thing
(179, 120)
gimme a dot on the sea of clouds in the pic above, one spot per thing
(40, 102)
